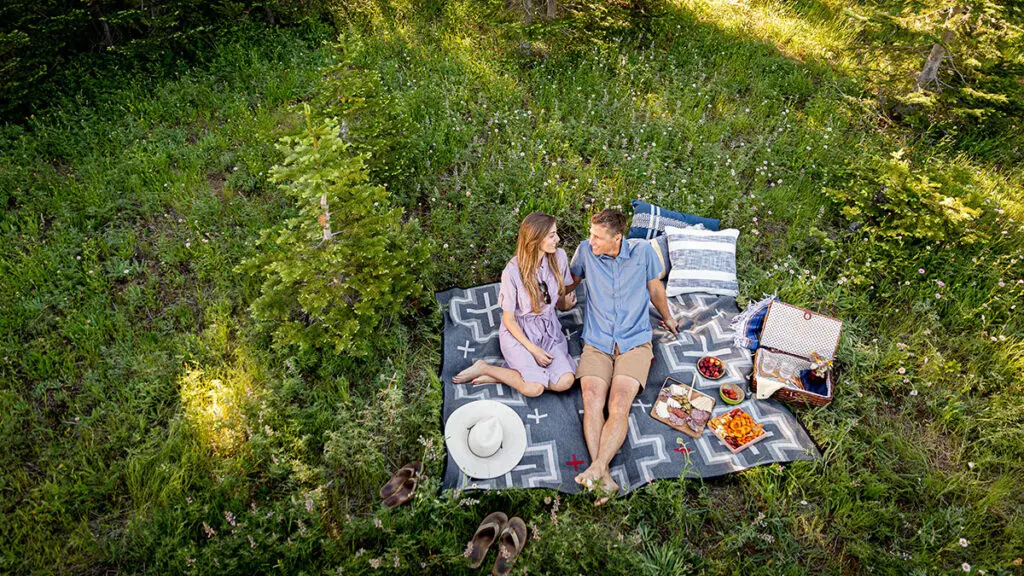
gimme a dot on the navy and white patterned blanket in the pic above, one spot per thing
(556, 449)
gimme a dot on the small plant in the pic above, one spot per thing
(345, 262)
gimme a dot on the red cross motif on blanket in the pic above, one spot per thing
(575, 463)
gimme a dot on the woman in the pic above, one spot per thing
(535, 350)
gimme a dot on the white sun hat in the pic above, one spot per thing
(485, 438)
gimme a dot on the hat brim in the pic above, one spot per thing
(513, 443)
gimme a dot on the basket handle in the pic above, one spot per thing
(807, 315)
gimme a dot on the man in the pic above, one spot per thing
(621, 278)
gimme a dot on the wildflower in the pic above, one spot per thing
(970, 465)
(755, 232)
(229, 517)
(963, 542)
(966, 567)
(1001, 283)
(309, 503)
(210, 532)
(252, 543)
(377, 522)
(920, 270)
(937, 295)
(360, 552)
(1018, 561)
(902, 370)
(205, 240)
(188, 244)
(940, 283)
(913, 392)
(375, 563)
(126, 271)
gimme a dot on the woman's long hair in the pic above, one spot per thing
(532, 232)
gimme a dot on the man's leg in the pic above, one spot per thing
(613, 434)
(595, 394)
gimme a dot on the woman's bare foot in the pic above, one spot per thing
(485, 379)
(477, 370)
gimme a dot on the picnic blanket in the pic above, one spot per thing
(556, 450)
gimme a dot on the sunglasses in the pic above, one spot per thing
(544, 291)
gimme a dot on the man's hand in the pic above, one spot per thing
(543, 358)
(567, 302)
(671, 325)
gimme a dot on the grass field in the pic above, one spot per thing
(149, 424)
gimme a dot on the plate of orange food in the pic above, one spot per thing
(737, 430)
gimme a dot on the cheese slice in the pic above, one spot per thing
(661, 410)
(703, 403)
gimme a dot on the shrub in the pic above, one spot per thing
(892, 202)
(345, 261)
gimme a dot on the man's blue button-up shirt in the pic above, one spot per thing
(617, 297)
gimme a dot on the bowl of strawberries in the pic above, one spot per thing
(711, 368)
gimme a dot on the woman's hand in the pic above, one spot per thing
(543, 358)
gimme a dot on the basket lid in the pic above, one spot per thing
(799, 331)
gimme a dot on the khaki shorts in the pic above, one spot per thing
(635, 363)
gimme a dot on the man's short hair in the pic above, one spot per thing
(611, 219)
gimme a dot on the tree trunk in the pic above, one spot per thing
(528, 8)
(108, 37)
(930, 73)
(325, 218)
(551, 9)
(270, 15)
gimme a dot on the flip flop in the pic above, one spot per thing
(489, 530)
(403, 494)
(403, 474)
(510, 544)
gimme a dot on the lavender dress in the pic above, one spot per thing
(543, 329)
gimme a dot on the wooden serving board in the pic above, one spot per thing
(694, 393)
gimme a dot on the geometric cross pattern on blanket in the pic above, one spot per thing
(556, 450)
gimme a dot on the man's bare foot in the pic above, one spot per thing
(608, 486)
(474, 371)
(589, 477)
(485, 379)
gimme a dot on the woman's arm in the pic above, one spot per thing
(538, 353)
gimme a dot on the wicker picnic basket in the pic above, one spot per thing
(790, 335)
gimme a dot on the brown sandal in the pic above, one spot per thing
(489, 530)
(403, 474)
(510, 544)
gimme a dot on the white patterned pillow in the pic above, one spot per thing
(702, 261)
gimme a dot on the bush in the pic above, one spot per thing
(892, 202)
(345, 262)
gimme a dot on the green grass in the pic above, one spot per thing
(149, 426)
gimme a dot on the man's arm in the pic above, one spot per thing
(657, 291)
(575, 282)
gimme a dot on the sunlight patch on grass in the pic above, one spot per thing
(797, 36)
(215, 408)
